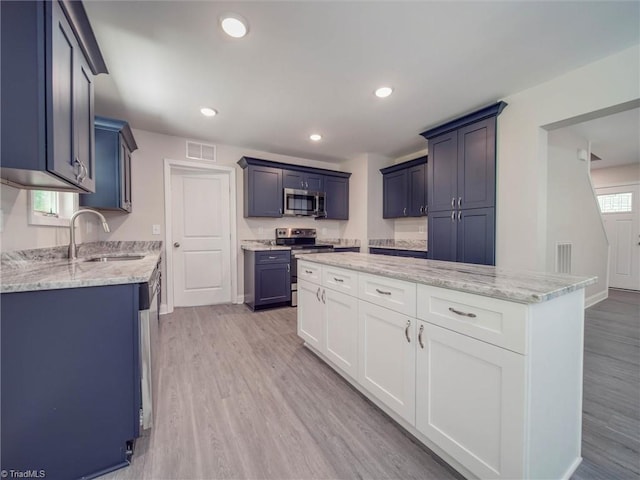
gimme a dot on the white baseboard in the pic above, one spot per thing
(596, 298)
(239, 300)
(163, 309)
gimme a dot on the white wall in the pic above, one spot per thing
(610, 177)
(572, 212)
(17, 234)
(522, 157)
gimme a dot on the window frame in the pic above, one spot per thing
(67, 204)
(599, 195)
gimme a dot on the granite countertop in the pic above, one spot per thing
(511, 285)
(49, 269)
(414, 245)
(266, 245)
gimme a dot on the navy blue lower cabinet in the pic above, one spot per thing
(70, 380)
(267, 278)
(476, 236)
(442, 236)
(394, 252)
(466, 236)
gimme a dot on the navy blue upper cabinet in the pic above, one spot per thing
(442, 172)
(265, 180)
(114, 144)
(49, 59)
(405, 189)
(395, 194)
(336, 197)
(302, 181)
(477, 165)
(262, 191)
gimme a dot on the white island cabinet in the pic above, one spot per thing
(482, 365)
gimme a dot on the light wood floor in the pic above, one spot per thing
(240, 397)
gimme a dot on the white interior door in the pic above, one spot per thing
(201, 238)
(621, 219)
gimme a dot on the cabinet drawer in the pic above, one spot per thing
(340, 279)
(311, 272)
(273, 256)
(494, 321)
(394, 294)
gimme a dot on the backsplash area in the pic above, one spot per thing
(265, 229)
(410, 228)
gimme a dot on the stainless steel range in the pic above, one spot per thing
(302, 241)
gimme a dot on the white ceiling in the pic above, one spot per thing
(313, 66)
(614, 138)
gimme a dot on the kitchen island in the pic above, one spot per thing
(483, 365)
(72, 371)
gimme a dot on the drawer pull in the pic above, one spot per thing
(382, 292)
(420, 336)
(272, 257)
(318, 294)
(406, 331)
(339, 280)
(464, 314)
(308, 271)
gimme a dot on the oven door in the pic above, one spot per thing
(300, 202)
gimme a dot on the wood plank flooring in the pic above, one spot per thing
(239, 397)
(611, 400)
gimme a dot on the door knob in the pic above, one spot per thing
(177, 244)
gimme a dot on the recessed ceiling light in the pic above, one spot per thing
(384, 92)
(208, 112)
(234, 25)
(316, 137)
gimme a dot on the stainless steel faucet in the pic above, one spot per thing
(72, 230)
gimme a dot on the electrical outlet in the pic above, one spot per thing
(155, 229)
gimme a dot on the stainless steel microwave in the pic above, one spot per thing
(304, 203)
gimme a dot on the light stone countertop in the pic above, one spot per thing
(415, 245)
(49, 269)
(511, 285)
(267, 245)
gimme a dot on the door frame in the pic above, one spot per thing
(196, 166)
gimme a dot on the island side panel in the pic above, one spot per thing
(556, 346)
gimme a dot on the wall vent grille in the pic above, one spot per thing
(563, 257)
(201, 151)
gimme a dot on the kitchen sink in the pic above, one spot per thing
(114, 258)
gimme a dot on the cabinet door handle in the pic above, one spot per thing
(301, 184)
(406, 331)
(459, 202)
(420, 336)
(324, 296)
(464, 314)
(288, 267)
(308, 271)
(459, 214)
(453, 202)
(306, 184)
(318, 294)
(382, 292)
(426, 209)
(421, 209)
(339, 280)
(453, 216)
(404, 211)
(280, 211)
(85, 171)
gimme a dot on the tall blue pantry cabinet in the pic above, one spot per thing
(461, 192)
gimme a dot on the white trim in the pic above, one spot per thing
(591, 300)
(201, 166)
(616, 184)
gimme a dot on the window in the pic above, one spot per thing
(51, 208)
(615, 202)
